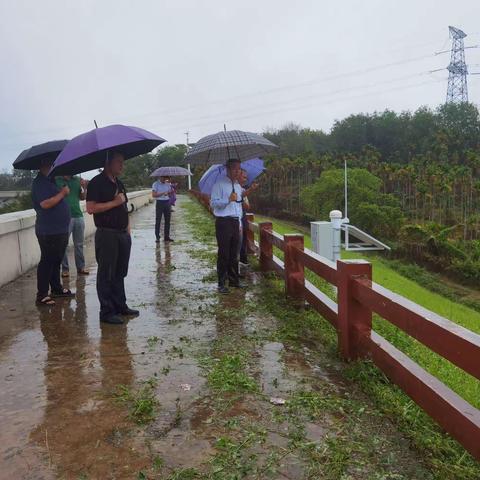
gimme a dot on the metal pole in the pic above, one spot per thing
(336, 220)
(346, 205)
(188, 165)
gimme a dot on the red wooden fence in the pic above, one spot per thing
(357, 298)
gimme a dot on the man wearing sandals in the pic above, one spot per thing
(77, 224)
(107, 201)
(51, 228)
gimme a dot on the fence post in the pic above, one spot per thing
(294, 270)
(266, 247)
(354, 320)
(250, 234)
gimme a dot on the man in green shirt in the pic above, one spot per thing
(77, 188)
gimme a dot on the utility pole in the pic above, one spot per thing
(187, 133)
(457, 78)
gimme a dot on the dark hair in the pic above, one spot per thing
(46, 161)
(231, 161)
(111, 153)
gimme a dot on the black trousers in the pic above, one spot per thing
(52, 250)
(112, 250)
(243, 247)
(227, 231)
(163, 208)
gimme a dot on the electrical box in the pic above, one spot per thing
(322, 239)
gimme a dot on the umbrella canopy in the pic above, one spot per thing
(171, 172)
(222, 146)
(89, 150)
(33, 157)
(253, 167)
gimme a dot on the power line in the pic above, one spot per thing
(219, 118)
(311, 82)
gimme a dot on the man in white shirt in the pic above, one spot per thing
(161, 193)
(226, 203)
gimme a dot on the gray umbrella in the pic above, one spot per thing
(170, 172)
(221, 146)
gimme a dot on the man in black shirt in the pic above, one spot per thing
(107, 201)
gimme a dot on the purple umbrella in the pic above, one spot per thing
(254, 168)
(171, 172)
(89, 150)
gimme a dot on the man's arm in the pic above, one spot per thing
(249, 190)
(100, 207)
(56, 199)
(218, 199)
(158, 194)
(83, 188)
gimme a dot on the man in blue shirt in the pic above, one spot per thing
(226, 203)
(51, 227)
(161, 191)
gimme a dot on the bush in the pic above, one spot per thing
(369, 209)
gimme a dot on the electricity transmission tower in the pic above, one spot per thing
(457, 77)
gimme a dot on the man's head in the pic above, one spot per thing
(45, 166)
(67, 177)
(233, 169)
(243, 178)
(114, 163)
(164, 179)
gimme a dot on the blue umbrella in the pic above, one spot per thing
(254, 168)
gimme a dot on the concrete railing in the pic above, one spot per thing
(19, 251)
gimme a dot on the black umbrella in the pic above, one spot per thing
(33, 157)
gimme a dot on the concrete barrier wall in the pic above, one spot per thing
(19, 250)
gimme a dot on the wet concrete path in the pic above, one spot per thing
(189, 389)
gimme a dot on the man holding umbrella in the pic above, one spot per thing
(107, 201)
(226, 202)
(53, 218)
(226, 195)
(161, 190)
(107, 148)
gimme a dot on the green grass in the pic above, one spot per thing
(142, 403)
(228, 373)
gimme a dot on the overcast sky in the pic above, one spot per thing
(177, 65)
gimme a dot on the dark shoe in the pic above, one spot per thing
(129, 311)
(238, 285)
(65, 273)
(63, 293)
(223, 289)
(169, 240)
(112, 319)
(157, 240)
(82, 271)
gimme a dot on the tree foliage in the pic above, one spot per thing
(374, 211)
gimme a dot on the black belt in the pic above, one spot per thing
(228, 218)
